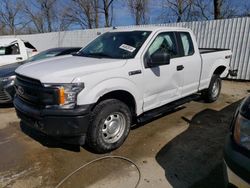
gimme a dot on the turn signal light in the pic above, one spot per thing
(61, 94)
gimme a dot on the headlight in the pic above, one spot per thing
(8, 81)
(242, 131)
(67, 94)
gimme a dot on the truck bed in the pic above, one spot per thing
(211, 58)
(210, 50)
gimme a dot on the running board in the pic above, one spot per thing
(146, 116)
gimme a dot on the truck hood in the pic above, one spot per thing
(65, 69)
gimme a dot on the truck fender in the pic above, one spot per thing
(114, 84)
(220, 63)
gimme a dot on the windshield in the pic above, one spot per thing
(45, 54)
(118, 45)
(11, 49)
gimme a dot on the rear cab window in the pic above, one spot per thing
(30, 46)
(186, 43)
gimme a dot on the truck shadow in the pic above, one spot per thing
(7, 105)
(47, 140)
(195, 157)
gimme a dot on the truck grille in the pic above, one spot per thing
(33, 92)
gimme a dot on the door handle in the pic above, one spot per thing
(19, 58)
(179, 67)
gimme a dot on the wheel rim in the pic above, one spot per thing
(113, 127)
(216, 88)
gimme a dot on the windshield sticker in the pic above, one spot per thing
(127, 48)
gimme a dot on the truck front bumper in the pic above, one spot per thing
(237, 163)
(60, 123)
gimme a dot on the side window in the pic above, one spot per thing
(14, 49)
(28, 45)
(10, 50)
(187, 43)
(164, 42)
(2, 50)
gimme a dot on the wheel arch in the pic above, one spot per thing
(121, 95)
(121, 89)
(220, 68)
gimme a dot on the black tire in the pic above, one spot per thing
(212, 93)
(105, 118)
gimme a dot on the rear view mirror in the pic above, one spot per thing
(158, 59)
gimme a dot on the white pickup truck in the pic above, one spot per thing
(14, 50)
(123, 76)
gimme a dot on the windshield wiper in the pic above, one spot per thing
(76, 54)
(97, 55)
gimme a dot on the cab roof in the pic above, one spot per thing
(149, 28)
(8, 41)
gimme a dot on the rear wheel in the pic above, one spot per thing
(110, 125)
(212, 93)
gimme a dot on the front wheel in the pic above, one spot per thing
(212, 93)
(110, 125)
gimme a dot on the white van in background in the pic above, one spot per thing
(13, 50)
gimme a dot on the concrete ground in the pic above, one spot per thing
(180, 149)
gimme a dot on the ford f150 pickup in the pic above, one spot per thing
(123, 76)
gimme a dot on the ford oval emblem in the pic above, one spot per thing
(20, 90)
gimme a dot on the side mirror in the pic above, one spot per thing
(158, 59)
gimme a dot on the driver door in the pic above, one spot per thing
(163, 84)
